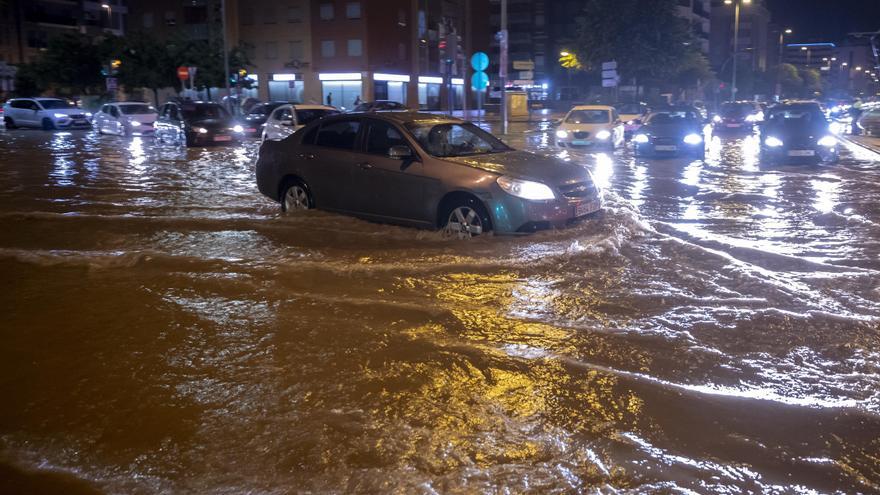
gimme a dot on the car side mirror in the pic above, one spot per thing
(400, 152)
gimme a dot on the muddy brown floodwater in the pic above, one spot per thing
(167, 330)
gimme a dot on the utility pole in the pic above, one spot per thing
(502, 62)
(735, 48)
(225, 53)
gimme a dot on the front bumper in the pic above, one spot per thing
(676, 149)
(68, 123)
(801, 154)
(213, 138)
(512, 215)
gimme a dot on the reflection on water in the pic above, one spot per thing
(714, 330)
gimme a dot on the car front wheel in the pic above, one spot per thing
(48, 125)
(10, 124)
(466, 219)
(296, 197)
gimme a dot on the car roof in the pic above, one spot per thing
(401, 117)
(128, 103)
(312, 107)
(593, 107)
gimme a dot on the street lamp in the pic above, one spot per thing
(782, 33)
(109, 9)
(737, 4)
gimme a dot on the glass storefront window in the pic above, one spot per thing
(343, 93)
(286, 91)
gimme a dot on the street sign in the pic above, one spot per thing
(523, 65)
(479, 81)
(526, 74)
(479, 61)
(609, 74)
(183, 73)
(610, 83)
(111, 84)
(609, 65)
(192, 72)
(610, 78)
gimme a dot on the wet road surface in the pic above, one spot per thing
(167, 330)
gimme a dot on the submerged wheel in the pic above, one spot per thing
(466, 219)
(10, 124)
(48, 125)
(296, 196)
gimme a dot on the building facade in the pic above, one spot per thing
(754, 35)
(698, 13)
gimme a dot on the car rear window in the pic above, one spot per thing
(307, 116)
(588, 117)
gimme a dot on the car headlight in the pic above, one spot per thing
(751, 118)
(693, 139)
(561, 134)
(237, 128)
(60, 115)
(135, 123)
(773, 142)
(525, 189)
(640, 138)
(716, 118)
(603, 135)
(828, 141)
(200, 130)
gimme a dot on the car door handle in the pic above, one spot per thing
(365, 165)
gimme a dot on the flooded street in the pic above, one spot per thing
(715, 329)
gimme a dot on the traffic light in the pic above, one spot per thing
(114, 66)
(242, 73)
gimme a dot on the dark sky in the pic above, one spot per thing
(825, 20)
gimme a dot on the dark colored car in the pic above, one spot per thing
(380, 106)
(671, 131)
(255, 119)
(737, 117)
(197, 123)
(798, 132)
(423, 170)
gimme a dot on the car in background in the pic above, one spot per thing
(287, 119)
(423, 170)
(671, 131)
(632, 115)
(255, 120)
(126, 118)
(740, 116)
(44, 113)
(590, 126)
(798, 132)
(380, 106)
(869, 122)
(197, 123)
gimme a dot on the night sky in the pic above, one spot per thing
(825, 20)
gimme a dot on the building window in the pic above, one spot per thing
(401, 18)
(539, 20)
(328, 48)
(269, 15)
(294, 14)
(195, 15)
(353, 10)
(355, 48)
(326, 11)
(247, 16)
(170, 20)
(148, 20)
(296, 50)
(271, 50)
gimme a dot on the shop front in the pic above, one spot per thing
(390, 87)
(285, 87)
(341, 89)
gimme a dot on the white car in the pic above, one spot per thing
(44, 113)
(287, 119)
(869, 122)
(128, 118)
(590, 126)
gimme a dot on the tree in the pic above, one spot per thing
(789, 79)
(207, 56)
(812, 82)
(647, 38)
(72, 65)
(28, 81)
(145, 63)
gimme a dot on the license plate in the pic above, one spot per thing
(581, 142)
(734, 125)
(250, 130)
(80, 121)
(585, 208)
(802, 153)
(222, 138)
(665, 147)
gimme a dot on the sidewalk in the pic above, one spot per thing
(870, 142)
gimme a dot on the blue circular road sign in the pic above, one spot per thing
(479, 61)
(479, 81)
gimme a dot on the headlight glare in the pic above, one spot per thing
(561, 134)
(603, 135)
(525, 189)
(60, 115)
(201, 130)
(693, 139)
(640, 138)
(716, 118)
(237, 128)
(828, 141)
(773, 142)
(135, 123)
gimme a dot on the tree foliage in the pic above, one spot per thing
(647, 38)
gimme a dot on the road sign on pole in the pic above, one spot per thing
(479, 61)
(183, 73)
(610, 79)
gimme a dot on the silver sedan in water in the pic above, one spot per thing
(423, 170)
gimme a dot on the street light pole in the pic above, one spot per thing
(782, 33)
(502, 73)
(737, 4)
(225, 53)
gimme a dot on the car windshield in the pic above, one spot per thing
(136, 109)
(307, 115)
(672, 117)
(630, 109)
(588, 117)
(452, 139)
(264, 109)
(799, 115)
(199, 112)
(736, 110)
(51, 104)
